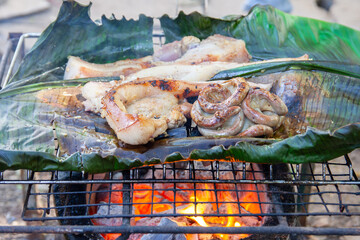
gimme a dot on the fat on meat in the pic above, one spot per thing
(217, 48)
(79, 68)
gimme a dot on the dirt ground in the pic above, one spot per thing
(21, 16)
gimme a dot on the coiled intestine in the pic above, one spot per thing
(234, 108)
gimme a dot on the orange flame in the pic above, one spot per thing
(200, 209)
(208, 195)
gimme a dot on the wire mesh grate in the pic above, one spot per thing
(163, 187)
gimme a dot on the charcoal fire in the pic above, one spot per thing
(185, 203)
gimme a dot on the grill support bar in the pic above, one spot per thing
(299, 182)
(18, 51)
(127, 207)
(166, 229)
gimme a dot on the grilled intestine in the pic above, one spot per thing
(262, 107)
(233, 108)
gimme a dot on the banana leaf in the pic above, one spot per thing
(40, 113)
(74, 33)
(257, 69)
(271, 33)
(86, 143)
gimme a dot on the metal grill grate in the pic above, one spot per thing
(69, 196)
(336, 181)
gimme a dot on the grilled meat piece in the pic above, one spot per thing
(126, 108)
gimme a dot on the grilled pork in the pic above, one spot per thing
(140, 111)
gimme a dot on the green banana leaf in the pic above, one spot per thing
(257, 69)
(40, 113)
(74, 33)
(271, 33)
(326, 101)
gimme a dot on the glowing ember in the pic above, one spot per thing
(202, 204)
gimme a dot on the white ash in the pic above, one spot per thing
(105, 210)
(166, 222)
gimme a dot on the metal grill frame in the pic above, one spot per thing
(301, 176)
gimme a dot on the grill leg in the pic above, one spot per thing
(305, 189)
